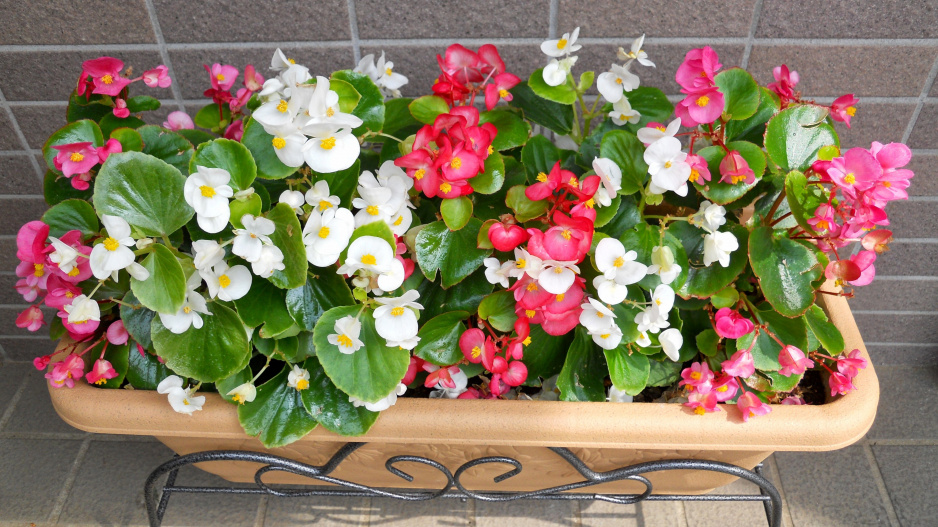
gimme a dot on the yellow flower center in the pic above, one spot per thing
(503, 93)
(224, 281)
(69, 294)
(558, 270)
(600, 314)
(737, 179)
(566, 234)
(530, 313)
(823, 225)
(323, 204)
(111, 244)
(327, 143)
(850, 179)
(302, 384)
(560, 297)
(695, 375)
(207, 191)
(658, 301)
(102, 380)
(694, 175)
(291, 61)
(418, 175)
(476, 351)
(667, 164)
(282, 106)
(851, 111)
(590, 203)
(398, 221)
(387, 72)
(187, 310)
(887, 184)
(456, 163)
(38, 270)
(185, 402)
(445, 188)
(723, 388)
(344, 341)
(107, 79)
(700, 410)
(574, 182)
(490, 150)
(526, 341)
(562, 43)
(618, 262)
(618, 80)
(661, 129)
(220, 77)
(604, 336)
(238, 398)
(372, 209)
(397, 311)
(532, 286)
(76, 157)
(521, 263)
(542, 177)
(279, 142)
(324, 232)
(703, 101)
(369, 259)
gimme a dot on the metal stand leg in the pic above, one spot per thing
(157, 501)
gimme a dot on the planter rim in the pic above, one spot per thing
(657, 426)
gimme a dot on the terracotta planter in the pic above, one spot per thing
(605, 435)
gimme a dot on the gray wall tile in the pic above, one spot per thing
(853, 19)
(925, 133)
(896, 296)
(8, 260)
(925, 182)
(629, 19)
(17, 176)
(381, 19)
(39, 122)
(19, 211)
(899, 355)
(27, 349)
(34, 411)
(55, 22)
(908, 392)
(883, 122)
(8, 294)
(898, 328)
(908, 219)
(909, 259)
(8, 139)
(909, 474)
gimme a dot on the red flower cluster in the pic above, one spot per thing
(449, 153)
(102, 76)
(500, 355)
(466, 73)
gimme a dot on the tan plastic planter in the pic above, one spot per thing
(605, 435)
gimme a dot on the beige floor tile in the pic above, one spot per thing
(325, 512)
(387, 512)
(645, 514)
(11, 377)
(907, 403)
(909, 473)
(527, 513)
(209, 510)
(31, 476)
(727, 514)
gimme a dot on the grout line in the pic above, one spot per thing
(903, 344)
(11, 406)
(69, 482)
(881, 485)
(15, 196)
(915, 240)
(353, 29)
(164, 54)
(471, 513)
(44, 436)
(20, 135)
(773, 466)
(896, 313)
(756, 15)
(553, 14)
(20, 152)
(924, 151)
(909, 278)
(912, 199)
(902, 442)
(929, 81)
(261, 515)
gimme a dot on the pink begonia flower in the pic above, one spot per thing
(741, 364)
(416, 364)
(701, 106)
(120, 109)
(81, 181)
(507, 237)
(178, 120)
(895, 179)
(877, 241)
(785, 82)
(856, 171)
(843, 108)
(81, 267)
(40, 363)
(61, 293)
(793, 361)
(31, 318)
(470, 393)
(113, 146)
(30, 249)
(516, 373)
(117, 333)
(240, 100)
(735, 169)
(697, 377)
(75, 158)
(253, 80)
(699, 170)
(547, 183)
(158, 77)
(30, 292)
(725, 387)
(793, 400)
(498, 89)
(729, 324)
(101, 372)
(441, 376)
(703, 402)
(557, 324)
(66, 372)
(235, 130)
(864, 261)
(106, 75)
(824, 220)
(840, 384)
(851, 364)
(698, 68)
(223, 76)
(476, 347)
(750, 406)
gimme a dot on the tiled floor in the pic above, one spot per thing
(51, 474)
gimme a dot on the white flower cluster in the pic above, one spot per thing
(717, 245)
(106, 258)
(385, 198)
(305, 120)
(553, 276)
(382, 74)
(667, 164)
(183, 400)
(613, 84)
(562, 59)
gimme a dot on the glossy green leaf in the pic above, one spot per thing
(785, 269)
(426, 109)
(523, 208)
(71, 214)
(397, 118)
(370, 108)
(824, 330)
(513, 131)
(142, 103)
(456, 212)
(625, 218)
(795, 135)
(752, 128)
(545, 355)
(80, 131)
(92, 108)
(56, 188)
(288, 237)
(803, 199)
(454, 254)
(109, 123)
(228, 155)
(551, 115)
(277, 415)
(626, 151)
(195, 136)
(211, 116)
(492, 178)
(252, 205)
(562, 94)
(464, 296)
(702, 282)
(651, 103)
(167, 146)
(319, 294)
(707, 342)
(260, 143)
(145, 372)
(765, 350)
(581, 378)
(164, 291)
(137, 319)
(330, 405)
(663, 373)
(628, 372)
(539, 156)
(740, 92)
(439, 338)
(725, 193)
(129, 139)
(499, 310)
(605, 214)
(264, 304)
(348, 95)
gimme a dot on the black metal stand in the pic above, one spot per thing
(157, 501)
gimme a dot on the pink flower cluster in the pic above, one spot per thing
(703, 102)
(76, 160)
(501, 357)
(102, 76)
(848, 367)
(842, 109)
(223, 77)
(465, 73)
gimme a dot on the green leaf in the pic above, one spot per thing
(752, 128)
(513, 131)
(228, 155)
(252, 205)
(628, 372)
(109, 123)
(627, 152)
(707, 341)
(426, 109)
(92, 108)
(586, 81)
(221, 344)
(288, 237)
(370, 108)
(372, 371)
(703, 282)
(781, 383)
(803, 199)
(397, 117)
(726, 297)
(71, 214)
(663, 373)
(795, 135)
(211, 117)
(129, 139)
(643, 238)
(142, 103)
(56, 188)
(319, 294)
(277, 415)
(342, 183)
(785, 269)
(259, 142)
(331, 407)
(581, 378)
(824, 330)
(539, 156)
(194, 136)
(499, 310)
(456, 212)
(563, 94)
(439, 338)
(137, 319)
(625, 218)
(264, 304)
(348, 95)
(791, 331)
(523, 208)
(724, 193)
(545, 355)
(165, 289)
(740, 91)
(464, 296)
(226, 385)
(605, 214)
(651, 103)
(454, 254)
(551, 115)
(491, 180)
(167, 146)
(143, 190)
(77, 132)
(145, 372)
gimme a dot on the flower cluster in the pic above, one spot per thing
(106, 76)
(561, 52)
(703, 103)
(613, 84)
(466, 73)
(77, 161)
(842, 109)
(382, 74)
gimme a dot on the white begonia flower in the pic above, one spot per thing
(392, 278)
(207, 192)
(649, 135)
(368, 253)
(294, 80)
(227, 283)
(293, 198)
(190, 312)
(387, 77)
(651, 320)
(272, 88)
(346, 337)
(663, 298)
(497, 272)
(64, 255)
(329, 150)
(319, 198)
(710, 217)
(610, 291)
(323, 109)
(617, 396)
(667, 165)
(607, 338)
(442, 392)
(279, 62)
(618, 264)
(298, 378)
(611, 176)
(288, 144)
(396, 320)
(381, 404)
(526, 264)
(115, 252)
(374, 204)
(138, 271)
(255, 235)
(663, 265)
(595, 316)
(280, 114)
(208, 253)
(622, 112)
(326, 235)
(556, 71)
(671, 341)
(636, 53)
(82, 309)
(366, 66)
(182, 400)
(718, 246)
(613, 84)
(557, 277)
(243, 393)
(270, 260)
(643, 340)
(565, 45)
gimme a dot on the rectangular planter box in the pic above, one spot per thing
(604, 435)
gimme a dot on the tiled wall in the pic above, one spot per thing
(885, 51)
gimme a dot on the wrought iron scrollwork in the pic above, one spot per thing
(157, 497)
